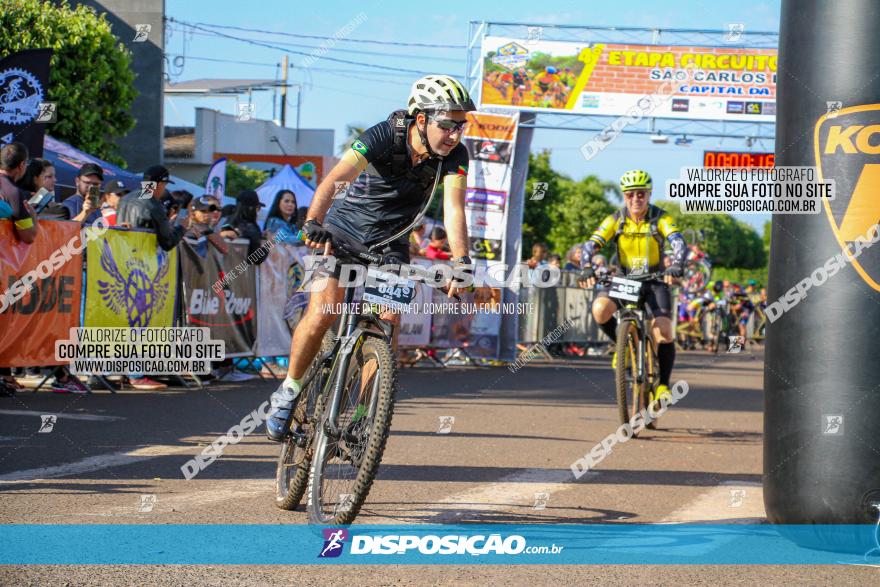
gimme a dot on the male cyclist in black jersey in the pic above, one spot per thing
(393, 169)
(639, 229)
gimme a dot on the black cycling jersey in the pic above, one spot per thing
(378, 203)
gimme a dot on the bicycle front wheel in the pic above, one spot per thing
(344, 465)
(626, 372)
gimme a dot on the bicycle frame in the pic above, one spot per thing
(633, 313)
(350, 329)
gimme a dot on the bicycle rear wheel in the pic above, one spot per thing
(344, 466)
(718, 331)
(626, 372)
(292, 471)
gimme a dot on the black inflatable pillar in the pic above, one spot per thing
(822, 370)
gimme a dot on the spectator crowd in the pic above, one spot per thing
(27, 196)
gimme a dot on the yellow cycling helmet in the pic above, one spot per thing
(635, 179)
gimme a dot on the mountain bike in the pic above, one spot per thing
(636, 373)
(716, 325)
(342, 420)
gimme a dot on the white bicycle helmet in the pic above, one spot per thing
(438, 92)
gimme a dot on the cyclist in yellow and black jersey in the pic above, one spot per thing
(639, 230)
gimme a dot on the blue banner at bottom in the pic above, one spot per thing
(587, 544)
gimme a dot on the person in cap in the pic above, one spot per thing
(202, 212)
(243, 224)
(113, 192)
(79, 205)
(144, 209)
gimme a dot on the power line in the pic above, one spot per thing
(297, 35)
(194, 58)
(357, 51)
(352, 73)
(286, 50)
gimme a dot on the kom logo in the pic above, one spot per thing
(334, 539)
(847, 149)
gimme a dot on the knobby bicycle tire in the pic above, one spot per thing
(626, 345)
(386, 390)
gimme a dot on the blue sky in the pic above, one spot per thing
(337, 94)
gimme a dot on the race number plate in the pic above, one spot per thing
(387, 289)
(625, 289)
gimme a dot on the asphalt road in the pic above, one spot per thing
(513, 435)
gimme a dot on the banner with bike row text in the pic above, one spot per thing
(220, 293)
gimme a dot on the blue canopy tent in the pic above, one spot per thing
(286, 179)
(67, 161)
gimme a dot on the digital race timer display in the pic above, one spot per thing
(737, 159)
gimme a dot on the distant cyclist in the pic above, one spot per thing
(713, 297)
(638, 230)
(390, 172)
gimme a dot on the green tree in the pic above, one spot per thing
(91, 80)
(728, 242)
(568, 211)
(537, 219)
(239, 178)
(352, 132)
(579, 210)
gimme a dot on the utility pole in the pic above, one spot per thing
(284, 68)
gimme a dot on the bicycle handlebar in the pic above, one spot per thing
(359, 252)
(656, 275)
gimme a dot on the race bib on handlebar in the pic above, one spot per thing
(388, 290)
(625, 289)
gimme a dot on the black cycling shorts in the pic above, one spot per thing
(395, 252)
(657, 300)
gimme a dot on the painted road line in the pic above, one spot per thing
(515, 490)
(63, 416)
(95, 463)
(732, 502)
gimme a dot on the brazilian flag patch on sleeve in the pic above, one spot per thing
(360, 147)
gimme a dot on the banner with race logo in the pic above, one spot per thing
(490, 140)
(710, 83)
(220, 293)
(36, 311)
(491, 144)
(281, 305)
(130, 281)
(24, 101)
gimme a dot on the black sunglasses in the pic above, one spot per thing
(449, 125)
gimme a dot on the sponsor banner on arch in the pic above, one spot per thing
(31, 323)
(491, 141)
(708, 83)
